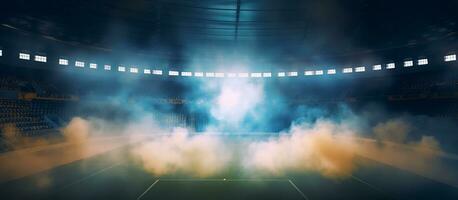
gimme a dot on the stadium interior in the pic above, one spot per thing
(229, 99)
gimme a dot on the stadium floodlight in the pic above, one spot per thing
(347, 70)
(63, 61)
(309, 73)
(209, 74)
(256, 75)
(198, 74)
(40, 58)
(92, 65)
(146, 71)
(231, 75)
(292, 73)
(79, 64)
(121, 69)
(377, 67)
(186, 73)
(157, 72)
(281, 74)
(133, 70)
(319, 72)
(450, 57)
(243, 75)
(107, 67)
(332, 71)
(390, 66)
(408, 63)
(24, 56)
(423, 61)
(360, 69)
(174, 73)
(219, 75)
(267, 74)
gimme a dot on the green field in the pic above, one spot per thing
(103, 177)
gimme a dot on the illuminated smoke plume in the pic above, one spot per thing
(323, 147)
(201, 155)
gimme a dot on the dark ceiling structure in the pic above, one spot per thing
(289, 29)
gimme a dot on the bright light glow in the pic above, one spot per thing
(256, 75)
(319, 72)
(360, 69)
(198, 74)
(174, 73)
(292, 73)
(219, 75)
(93, 66)
(186, 73)
(390, 66)
(423, 61)
(24, 56)
(281, 74)
(449, 58)
(134, 70)
(1, 52)
(309, 73)
(157, 72)
(377, 67)
(40, 58)
(107, 67)
(231, 75)
(408, 63)
(243, 75)
(209, 74)
(332, 71)
(267, 74)
(121, 69)
(347, 70)
(63, 61)
(146, 71)
(79, 64)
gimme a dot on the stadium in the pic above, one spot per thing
(229, 99)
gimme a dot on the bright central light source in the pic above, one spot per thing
(309, 73)
(186, 73)
(157, 72)
(107, 67)
(146, 71)
(121, 69)
(281, 74)
(319, 72)
(267, 74)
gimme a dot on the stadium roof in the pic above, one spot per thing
(289, 29)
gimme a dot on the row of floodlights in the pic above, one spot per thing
(346, 70)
